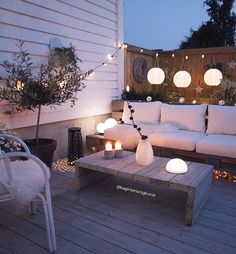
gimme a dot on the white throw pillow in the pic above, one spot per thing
(221, 120)
(146, 112)
(185, 117)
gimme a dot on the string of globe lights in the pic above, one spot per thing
(182, 78)
(90, 72)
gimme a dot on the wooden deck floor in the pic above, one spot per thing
(103, 219)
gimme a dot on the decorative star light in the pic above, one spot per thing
(198, 89)
(231, 64)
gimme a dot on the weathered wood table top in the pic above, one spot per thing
(196, 182)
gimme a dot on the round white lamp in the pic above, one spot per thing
(156, 76)
(182, 79)
(181, 100)
(101, 128)
(221, 102)
(213, 77)
(110, 123)
(149, 98)
(176, 166)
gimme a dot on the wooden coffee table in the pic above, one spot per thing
(196, 182)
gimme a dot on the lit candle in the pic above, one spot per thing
(108, 146)
(127, 89)
(117, 145)
(108, 152)
(118, 150)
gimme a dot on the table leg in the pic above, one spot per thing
(86, 177)
(196, 199)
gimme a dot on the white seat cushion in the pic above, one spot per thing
(186, 117)
(125, 134)
(218, 144)
(148, 112)
(181, 139)
(129, 136)
(28, 179)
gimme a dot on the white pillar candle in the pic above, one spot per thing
(117, 145)
(127, 89)
(118, 150)
(108, 147)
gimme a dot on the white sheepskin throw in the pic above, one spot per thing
(27, 182)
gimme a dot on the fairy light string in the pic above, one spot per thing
(224, 175)
(89, 72)
(130, 107)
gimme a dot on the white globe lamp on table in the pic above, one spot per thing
(176, 166)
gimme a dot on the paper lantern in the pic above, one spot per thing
(176, 166)
(110, 123)
(101, 128)
(182, 79)
(156, 76)
(213, 77)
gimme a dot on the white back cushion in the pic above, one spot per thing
(146, 112)
(221, 120)
(185, 117)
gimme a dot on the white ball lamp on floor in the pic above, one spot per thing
(110, 123)
(101, 128)
(176, 166)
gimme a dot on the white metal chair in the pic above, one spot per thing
(27, 180)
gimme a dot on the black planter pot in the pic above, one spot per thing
(44, 150)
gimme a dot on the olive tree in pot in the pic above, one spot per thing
(28, 88)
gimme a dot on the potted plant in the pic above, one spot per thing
(53, 84)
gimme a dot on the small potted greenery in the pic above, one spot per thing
(24, 88)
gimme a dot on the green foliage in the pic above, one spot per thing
(225, 91)
(26, 88)
(219, 31)
(132, 95)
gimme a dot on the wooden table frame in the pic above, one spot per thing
(196, 182)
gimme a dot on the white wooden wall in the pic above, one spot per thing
(94, 27)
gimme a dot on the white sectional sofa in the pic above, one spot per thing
(180, 128)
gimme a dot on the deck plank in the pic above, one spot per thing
(105, 218)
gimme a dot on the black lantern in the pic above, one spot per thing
(75, 145)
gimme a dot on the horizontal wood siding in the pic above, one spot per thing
(93, 27)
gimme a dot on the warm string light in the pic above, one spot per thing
(90, 72)
(130, 107)
(224, 175)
